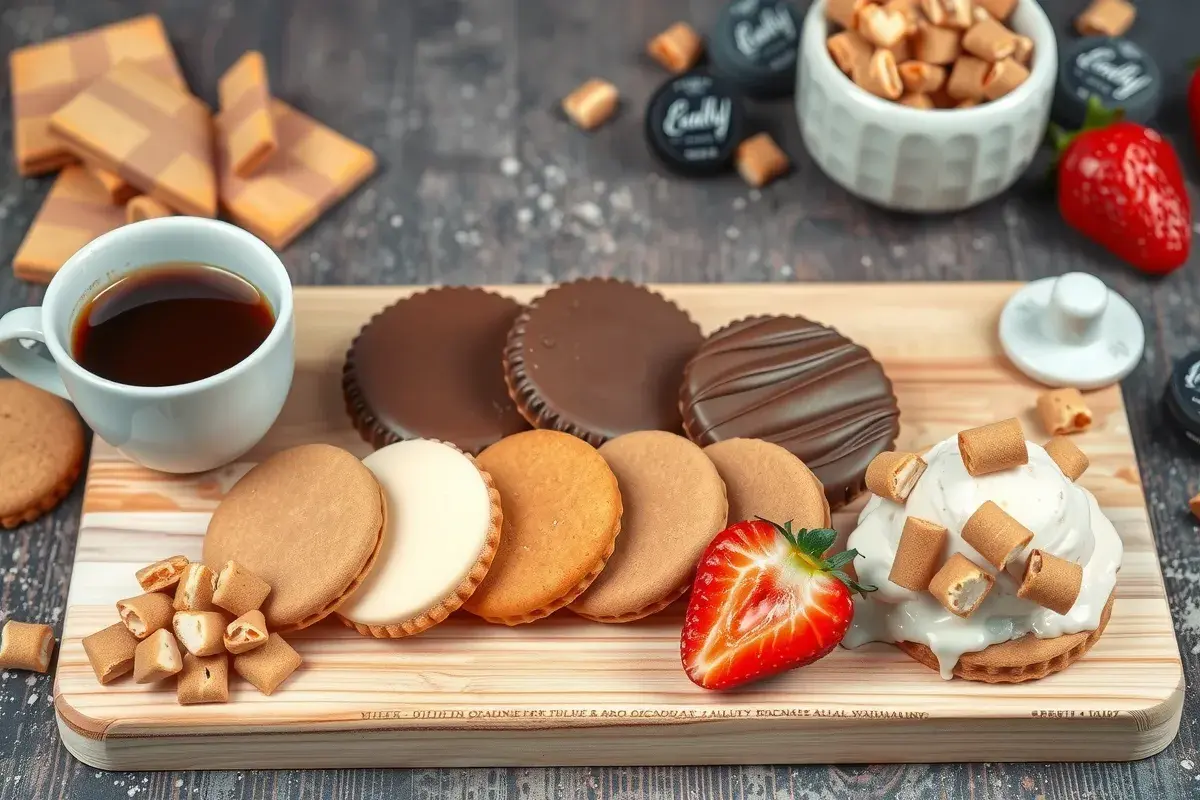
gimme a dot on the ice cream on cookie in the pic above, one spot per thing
(993, 564)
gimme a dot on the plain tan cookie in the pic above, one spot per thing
(562, 514)
(765, 480)
(675, 504)
(1026, 659)
(309, 522)
(41, 452)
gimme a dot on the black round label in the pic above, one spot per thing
(1115, 71)
(754, 44)
(1185, 390)
(694, 123)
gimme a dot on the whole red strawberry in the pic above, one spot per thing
(765, 600)
(1120, 185)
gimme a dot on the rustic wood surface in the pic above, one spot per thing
(482, 182)
(424, 701)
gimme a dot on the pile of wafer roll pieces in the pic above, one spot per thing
(110, 111)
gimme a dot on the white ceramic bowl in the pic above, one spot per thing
(908, 159)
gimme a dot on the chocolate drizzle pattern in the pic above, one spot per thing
(599, 357)
(799, 384)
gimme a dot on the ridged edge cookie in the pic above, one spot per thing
(369, 428)
(1074, 646)
(566, 600)
(47, 502)
(313, 619)
(852, 492)
(459, 595)
(530, 404)
(641, 613)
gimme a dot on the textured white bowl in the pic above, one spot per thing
(907, 159)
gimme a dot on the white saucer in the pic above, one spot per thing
(1072, 331)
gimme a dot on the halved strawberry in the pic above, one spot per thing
(765, 600)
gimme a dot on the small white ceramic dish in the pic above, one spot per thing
(1072, 331)
(907, 159)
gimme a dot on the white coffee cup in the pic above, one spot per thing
(183, 429)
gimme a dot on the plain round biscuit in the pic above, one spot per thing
(562, 514)
(674, 504)
(1026, 659)
(41, 451)
(764, 480)
(309, 521)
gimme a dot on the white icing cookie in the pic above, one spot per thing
(441, 534)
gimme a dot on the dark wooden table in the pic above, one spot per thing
(482, 181)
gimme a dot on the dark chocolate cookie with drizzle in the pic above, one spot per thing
(599, 357)
(799, 384)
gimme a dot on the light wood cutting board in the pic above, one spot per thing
(567, 691)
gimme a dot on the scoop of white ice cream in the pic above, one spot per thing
(1066, 522)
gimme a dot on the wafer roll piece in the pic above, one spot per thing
(880, 77)
(146, 613)
(948, 13)
(678, 48)
(893, 475)
(162, 575)
(910, 10)
(246, 633)
(144, 207)
(849, 51)
(156, 658)
(110, 652)
(1004, 77)
(195, 589)
(1051, 582)
(918, 554)
(935, 45)
(995, 535)
(990, 41)
(26, 645)
(1106, 18)
(1070, 459)
(880, 26)
(1063, 411)
(760, 161)
(967, 78)
(998, 9)
(961, 585)
(239, 590)
(200, 632)
(591, 105)
(203, 680)
(992, 448)
(845, 12)
(922, 78)
(1023, 52)
(269, 665)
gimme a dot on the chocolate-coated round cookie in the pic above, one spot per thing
(429, 367)
(799, 384)
(597, 358)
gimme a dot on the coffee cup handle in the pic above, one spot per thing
(21, 362)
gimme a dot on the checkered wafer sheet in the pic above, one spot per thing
(314, 168)
(47, 75)
(245, 98)
(153, 135)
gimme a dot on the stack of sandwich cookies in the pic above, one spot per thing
(443, 529)
(993, 530)
(799, 384)
(562, 513)
(674, 504)
(430, 367)
(598, 358)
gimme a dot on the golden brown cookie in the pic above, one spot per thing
(1026, 659)
(562, 514)
(309, 522)
(41, 452)
(674, 504)
(764, 480)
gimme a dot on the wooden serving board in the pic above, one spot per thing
(567, 691)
